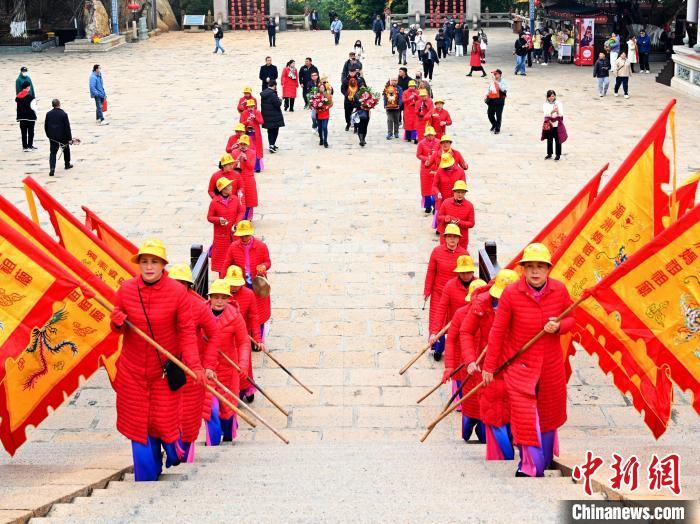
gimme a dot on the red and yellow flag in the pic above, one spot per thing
(52, 332)
(119, 244)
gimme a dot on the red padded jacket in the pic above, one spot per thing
(259, 254)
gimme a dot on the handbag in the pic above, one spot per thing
(175, 375)
(104, 105)
(355, 118)
(546, 125)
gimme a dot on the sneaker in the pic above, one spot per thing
(616, 94)
(545, 63)
(396, 135)
(69, 166)
(271, 150)
(32, 148)
(51, 173)
(26, 150)
(627, 96)
(496, 131)
(600, 95)
(275, 147)
(389, 136)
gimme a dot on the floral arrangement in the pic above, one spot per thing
(319, 100)
(368, 99)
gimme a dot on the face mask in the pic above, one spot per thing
(24, 73)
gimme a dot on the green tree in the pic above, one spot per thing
(363, 11)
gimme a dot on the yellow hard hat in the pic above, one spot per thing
(465, 264)
(226, 159)
(239, 127)
(446, 138)
(247, 90)
(250, 102)
(503, 278)
(244, 228)
(439, 101)
(447, 160)
(422, 92)
(180, 272)
(452, 229)
(234, 276)
(411, 83)
(429, 130)
(151, 247)
(222, 182)
(220, 286)
(536, 253)
(460, 185)
(244, 139)
(473, 286)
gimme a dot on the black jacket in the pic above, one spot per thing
(305, 74)
(521, 47)
(267, 71)
(270, 107)
(401, 41)
(601, 69)
(219, 32)
(344, 87)
(377, 26)
(431, 55)
(346, 68)
(57, 126)
(271, 28)
(24, 107)
(403, 82)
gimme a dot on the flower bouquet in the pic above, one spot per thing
(368, 99)
(319, 101)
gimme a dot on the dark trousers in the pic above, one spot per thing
(442, 52)
(323, 130)
(53, 149)
(26, 127)
(621, 81)
(272, 38)
(336, 36)
(289, 103)
(428, 66)
(272, 133)
(314, 25)
(347, 106)
(553, 137)
(304, 93)
(362, 126)
(377, 38)
(529, 58)
(644, 61)
(413, 48)
(477, 68)
(495, 112)
(402, 56)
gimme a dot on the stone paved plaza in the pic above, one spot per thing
(349, 245)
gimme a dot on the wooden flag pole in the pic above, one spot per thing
(461, 386)
(424, 350)
(282, 366)
(437, 386)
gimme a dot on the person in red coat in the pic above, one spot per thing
(243, 101)
(425, 153)
(459, 211)
(409, 98)
(440, 118)
(290, 84)
(228, 170)
(443, 261)
(251, 255)
(244, 165)
(234, 343)
(147, 409)
(424, 110)
(449, 172)
(536, 382)
(475, 58)
(247, 304)
(224, 212)
(238, 132)
(208, 344)
(454, 293)
(252, 119)
(493, 400)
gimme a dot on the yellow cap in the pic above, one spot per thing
(244, 228)
(226, 159)
(151, 247)
(447, 160)
(239, 127)
(536, 253)
(446, 138)
(503, 278)
(429, 130)
(423, 92)
(452, 229)
(473, 286)
(247, 90)
(234, 276)
(220, 286)
(465, 264)
(222, 183)
(439, 101)
(411, 83)
(460, 185)
(250, 102)
(180, 272)
(244, 139)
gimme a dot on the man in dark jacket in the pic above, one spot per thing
(644, 47)
(404, 79)
(304, 76)
(378, 27)
(520, 53)
(268, 73)
(57, 128)
(601, 71)
(351, 63)
(351, 85)
(26, 116)
(401, 44)
(270, 108)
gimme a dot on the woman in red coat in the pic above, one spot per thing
(424, 110)
(409, 98)
(251, 255)
(252, 119)
(536, 382)
(243, 101)
(425, 153)
(234, 343)
(290, 84)
(238, 132)
(244, 162)
(475, 58)
(440, 118)
(493, 400)
(443, 261)
(148, 411)
(224, 212)
(227, 170)
(454, 293)
(457, 210)
(208, 343)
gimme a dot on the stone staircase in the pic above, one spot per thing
(326, 481)
(666, 74)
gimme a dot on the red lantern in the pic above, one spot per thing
(133, 6)
(537, 3)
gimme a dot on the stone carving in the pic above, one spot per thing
(96, 20)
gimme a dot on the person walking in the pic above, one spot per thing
(314, 18)
(349, 88)
(537, 46)
(26, 116)
(57, 129)
(245, 169)
(614, 44)
(459, 211)
(378, 27)
(601, 71)
(97, 91)
(440, 118)
(632, 52)
(24, 77)
(252, 119)
(225, 211)
(622, 69)
(475, 57)
(459, 42)
(268, 73)
(363, 105)
(305, 77)
(425, 152)
(359, 50)
(351, 62)
(520, 54)
(546, 46)
(270, 107)
(323, 101)
(441, 43)
(336, 28)
(243, 101)
(430, 58)
(420, 44)
(272, 31)
(412, 33)
(496, 93)
(644, 47)
(290, 83)
(311, 89)
(218, 31)
(401, 44)
(553, 129)
(528, 38)
(392, 37)
(410, 98)
(424, 108)
(393, 103)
